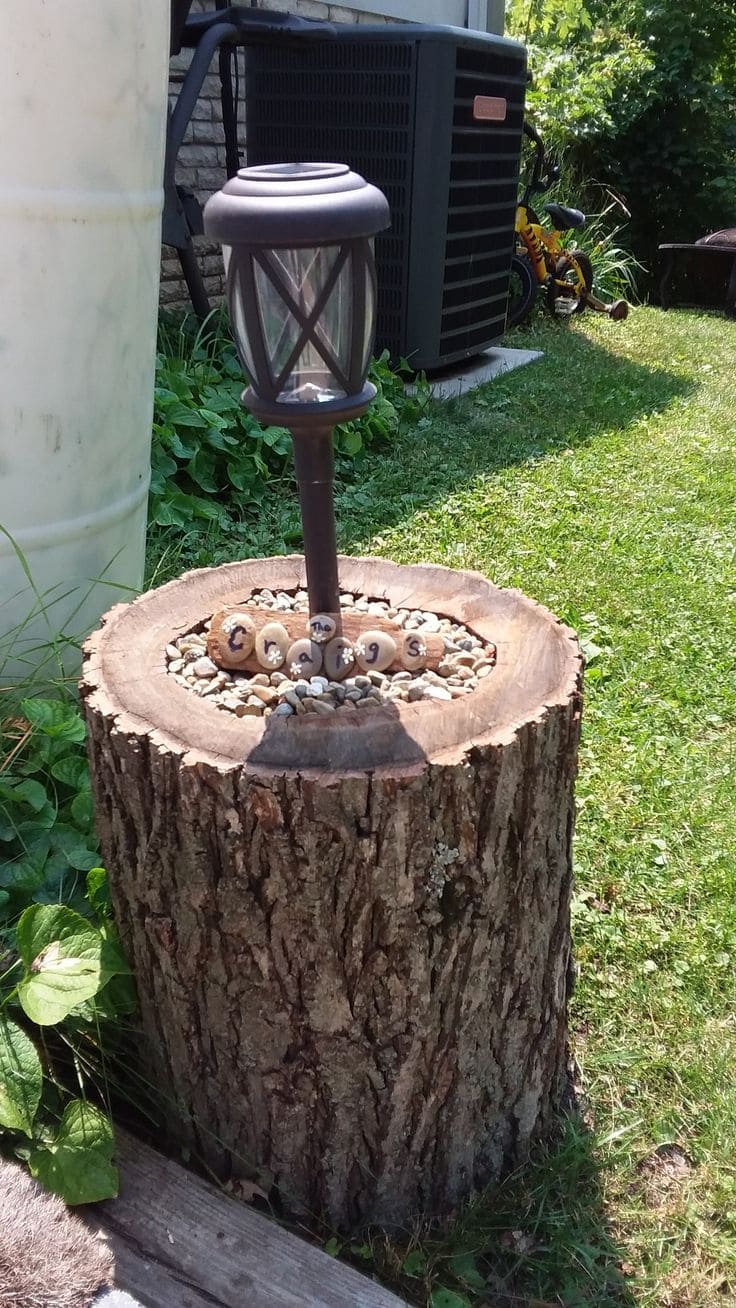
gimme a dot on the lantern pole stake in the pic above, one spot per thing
(315, 464)
(303, 322)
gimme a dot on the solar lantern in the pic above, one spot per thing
(297, 243)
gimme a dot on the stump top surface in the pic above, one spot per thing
(125, 678)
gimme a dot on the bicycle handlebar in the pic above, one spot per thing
(537, 183)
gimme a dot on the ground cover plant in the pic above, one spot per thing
(65, 986)
(212, 462)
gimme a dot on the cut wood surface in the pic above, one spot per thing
(353, 967)
(125, 675)
(181, 1243)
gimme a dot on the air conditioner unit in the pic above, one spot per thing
(432, 115)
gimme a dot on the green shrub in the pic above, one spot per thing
(637, 95)
(211, 460)
(64, 983)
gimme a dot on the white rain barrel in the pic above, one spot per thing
(83, 90)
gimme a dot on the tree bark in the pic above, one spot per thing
(351, 944)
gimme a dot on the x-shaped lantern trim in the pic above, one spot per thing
(311, 329)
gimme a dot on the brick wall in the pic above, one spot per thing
(201, 163)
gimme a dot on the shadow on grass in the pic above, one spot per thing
(577, 393)
(540, 1239)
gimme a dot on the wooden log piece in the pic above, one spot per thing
(350, 933)
(248, 640)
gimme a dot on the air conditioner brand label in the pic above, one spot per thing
(490, 108)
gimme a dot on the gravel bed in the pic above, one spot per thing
(467, 661)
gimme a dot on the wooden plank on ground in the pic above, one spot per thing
(181, 1243)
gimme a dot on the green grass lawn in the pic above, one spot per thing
(602, 482)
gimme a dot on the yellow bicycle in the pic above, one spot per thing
(541, 260)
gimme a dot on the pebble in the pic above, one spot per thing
(322, 628)
(272, 643)
(323, 706)
(437, 692)
(304, 658)
(339, 658)
(204, 667)
(412, 651)
(326, 678)
(232, 638)
(430, 623)
(375, 650)
(264, 694)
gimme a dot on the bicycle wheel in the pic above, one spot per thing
(523, 288)
(560, 301)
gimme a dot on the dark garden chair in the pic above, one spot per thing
(701, 275)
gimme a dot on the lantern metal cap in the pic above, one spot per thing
(295, 204)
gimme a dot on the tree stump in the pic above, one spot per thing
(350, 938)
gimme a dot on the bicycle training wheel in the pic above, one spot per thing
(523, 288)
(562, 302)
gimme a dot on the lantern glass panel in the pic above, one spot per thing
(237, 314)
(370, 312)
(304, 273)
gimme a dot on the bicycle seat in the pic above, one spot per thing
(564, 218)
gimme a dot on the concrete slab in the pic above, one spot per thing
(463, 377)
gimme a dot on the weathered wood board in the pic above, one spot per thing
(181, 1243)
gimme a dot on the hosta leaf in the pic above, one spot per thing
(72, 770)
(98, 891)
(26, 791)
(465, 1268)
(24, 874)
(351, 442)
(83, 810)
(21, 1078)
(56, 719)
(182, 415)
(448, 1299)
(202, 469)
(180, 448)
(66, 961)
(415, 1263)
(162, 465)
(242, 474)
(278, 438)
(78, 1165)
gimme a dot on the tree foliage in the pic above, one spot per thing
(639, 95)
